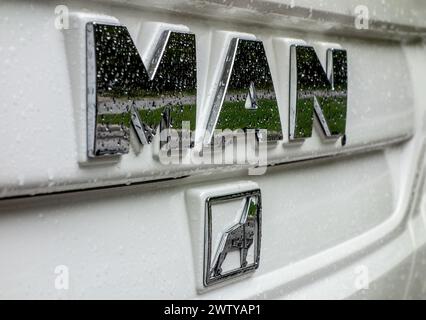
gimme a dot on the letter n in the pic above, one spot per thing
(319, 91)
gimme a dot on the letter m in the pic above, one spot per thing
(122, 91)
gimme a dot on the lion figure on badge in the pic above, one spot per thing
(238, 237)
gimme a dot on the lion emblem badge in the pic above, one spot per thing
(241, 238)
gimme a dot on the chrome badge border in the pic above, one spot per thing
(208, 281)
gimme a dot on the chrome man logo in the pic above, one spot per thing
(159, 94)
(241, 239)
